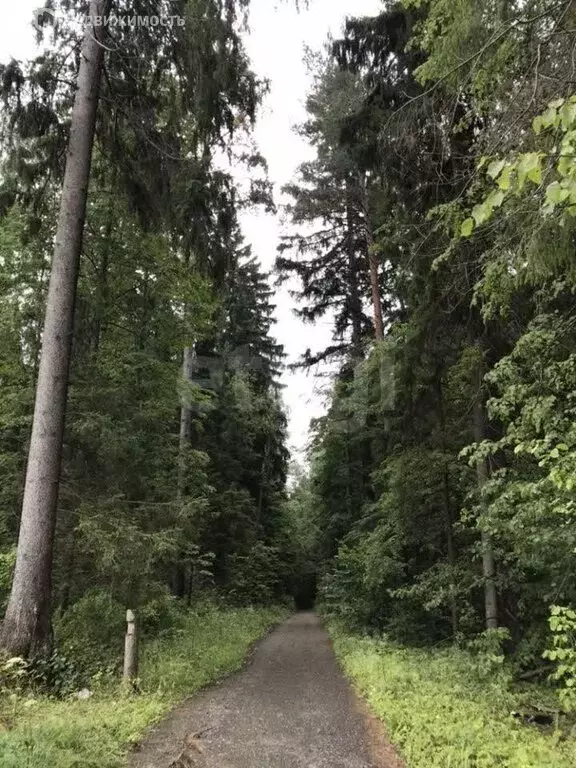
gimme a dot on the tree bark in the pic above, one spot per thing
(185, 420)
(27, 628)
(102, 292)
(450, 549)
(483, 473)
(179, 576)
(355, 302)
(373, 264)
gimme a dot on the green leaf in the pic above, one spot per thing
(556, 194)
(537, 125)
(550, 118)
(467, 227)
(535, 176)
(565, 166)
(495, 199)
(480, 214)
(495, 168)
(529, 167)
(568, 115)
(505, 179)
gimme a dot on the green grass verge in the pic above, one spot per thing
(98, 733)
(443, 713)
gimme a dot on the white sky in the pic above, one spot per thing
(279, 34)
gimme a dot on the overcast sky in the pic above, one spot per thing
(278, 37)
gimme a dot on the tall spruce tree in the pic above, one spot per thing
(27, 628)
(156, 131)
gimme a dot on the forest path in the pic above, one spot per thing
(290, 707)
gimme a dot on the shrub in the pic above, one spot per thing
(255, 576)
(563, 653)
(161, 612)
(91, 632)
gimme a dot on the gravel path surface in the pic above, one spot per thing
(289, 708)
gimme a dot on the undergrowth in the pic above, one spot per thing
(445, 709)
(37, 732)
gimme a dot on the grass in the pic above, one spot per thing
(43, 733)
(443, 711)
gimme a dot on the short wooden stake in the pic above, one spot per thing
(131, 649)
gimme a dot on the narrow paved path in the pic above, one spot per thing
(289, 708)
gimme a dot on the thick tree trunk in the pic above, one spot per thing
(373, 265)
(482, 470)
(27, 628)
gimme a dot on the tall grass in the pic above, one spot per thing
(443, 711)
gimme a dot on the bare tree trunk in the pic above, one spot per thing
(179, 577)
(355, 302)
(482, 470)
(102, 292)
(27, 628)
(376, 298)
(185, 420)
(373, 265)
(450, 549)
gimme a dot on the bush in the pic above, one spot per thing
(563, 627)
(91, 632)
(162, 612)
(56, 676)
(255, 576)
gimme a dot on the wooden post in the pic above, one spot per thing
(131, 649)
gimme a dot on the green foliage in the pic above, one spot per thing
(98, 733)
(563, 652)
(328, 199)
(91, 631)
(528, 503)
(254, 577)
(488, 653)
(57, 675)
(141, 512)
(450, 446)
(7, 564)
(442, 711)
(343, 591)
(555, 165)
